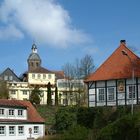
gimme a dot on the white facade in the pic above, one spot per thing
(114, 92)
(67, 90)
(15, 123)
(21, 131)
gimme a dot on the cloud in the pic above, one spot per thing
(45, 21)
(10, 31)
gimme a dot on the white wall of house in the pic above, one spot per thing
(102, 93)
(14, 131)
(13, 113)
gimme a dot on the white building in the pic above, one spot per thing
(19, 120)
(36, 75)
(116, 81)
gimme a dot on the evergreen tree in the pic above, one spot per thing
(35, 96)
(49, 100)
(56, 96)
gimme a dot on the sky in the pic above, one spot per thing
(65, 30)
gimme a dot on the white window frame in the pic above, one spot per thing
(20, 112)
(24, 92)
(12, 130)
(101, 96)
(36, 129)
(2, 111)
(20, 130)
(44, 76)
(2, 130)
(49, 76)
(110, 95)
(130, 93)
(11, 112)
(13, 92)
(33, 76)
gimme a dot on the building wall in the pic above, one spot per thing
(41, 78)
(26, 133)
(113, 92)
(68, 91)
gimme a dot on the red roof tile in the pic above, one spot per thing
(117, 66)
(32, 115)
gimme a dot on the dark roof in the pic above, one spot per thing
(117, 66)
(34, 56)
(32, 115)
(9, 72)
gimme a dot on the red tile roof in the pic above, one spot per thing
(32, 115)
(40, 70)
(117, 66)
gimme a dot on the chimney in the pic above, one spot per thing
(122, 42)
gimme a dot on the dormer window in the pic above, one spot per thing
(11, 112)
(1, 112)
(20, 112)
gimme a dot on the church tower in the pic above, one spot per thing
(34, 60)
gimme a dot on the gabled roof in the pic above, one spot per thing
(9, 72)
(117, 66)
(32, 115)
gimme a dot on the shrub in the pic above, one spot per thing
(76, 132)
(65, 118)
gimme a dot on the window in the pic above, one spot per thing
(131, 90)
(44, 76)
(20, 112)
(24, 92)
(11, 130)
(36, 129)
(11, 112)
(13, 92)
(2, 130)
(111, 94)
(101, 94)
(5, 77)
(10, 78)
(1, 112)
(49, 76)
(20, 130)
(33, 76)
(38, 76)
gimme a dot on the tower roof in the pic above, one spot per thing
(34, 55)
(118, 65)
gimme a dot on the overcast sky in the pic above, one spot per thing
(64, 30)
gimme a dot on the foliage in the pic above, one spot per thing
(122, 129)
(85, 117)
(4, 93)
(76, 132)
(65, 118)
(49, 100)
(35, 96)
(56, 96)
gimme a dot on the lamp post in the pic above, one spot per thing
(132, 101)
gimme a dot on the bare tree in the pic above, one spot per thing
(86, 66)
